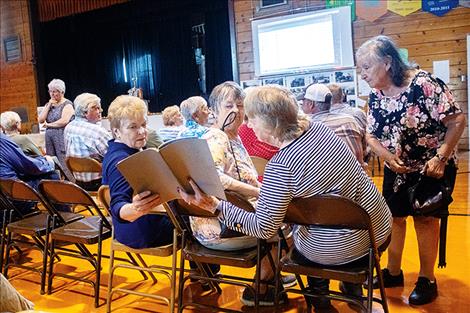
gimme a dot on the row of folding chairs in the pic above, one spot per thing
(327, 211)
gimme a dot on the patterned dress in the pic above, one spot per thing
(55, 144)
(410, 124)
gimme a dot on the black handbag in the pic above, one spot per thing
(429, 196)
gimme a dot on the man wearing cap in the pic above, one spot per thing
(317, 102)
(85, 138)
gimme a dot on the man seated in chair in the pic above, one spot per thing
(10, 123)
(86, 138)
(15, 164)
(316, 104)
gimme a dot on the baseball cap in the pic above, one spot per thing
(317, 92)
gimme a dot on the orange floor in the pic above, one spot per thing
(453, 281)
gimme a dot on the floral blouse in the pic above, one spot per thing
(410, 124)
(208, 230)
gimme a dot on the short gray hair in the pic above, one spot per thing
(9, 121)
(82, 101)
(228, 90)
(57, 84)
(192, 105)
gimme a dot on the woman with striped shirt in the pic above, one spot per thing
(312, 160)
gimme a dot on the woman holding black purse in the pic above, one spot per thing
(414, 125)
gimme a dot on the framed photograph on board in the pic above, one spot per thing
(274, 81)
(344, 76)
(297, 81)
(250, 83)
(321, 78)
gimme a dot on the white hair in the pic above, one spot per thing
(9, 121)
(82, 101)
(57, 84)
(192, 105)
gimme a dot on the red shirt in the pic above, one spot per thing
(253, 145)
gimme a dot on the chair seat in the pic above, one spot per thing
(245, 258)
(33, 226)
(162, 251)
(85, 230)
(354, 272)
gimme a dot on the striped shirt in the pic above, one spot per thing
(169, 133)
(84, 139)
(318, 162)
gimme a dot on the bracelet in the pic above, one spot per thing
(442, 157)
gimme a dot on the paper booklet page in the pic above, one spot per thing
(163, 171)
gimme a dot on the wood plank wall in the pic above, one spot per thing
(427, 37)
(17, 80)
(52, 9)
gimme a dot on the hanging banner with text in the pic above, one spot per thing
(439, 7)
(341, 3)
(403, 7)
(465, 3)
(371, 10)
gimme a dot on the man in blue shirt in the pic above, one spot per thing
(15, 164)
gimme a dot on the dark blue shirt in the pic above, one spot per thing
(150, 230)
(15, 164)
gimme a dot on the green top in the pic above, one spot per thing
(28, 147)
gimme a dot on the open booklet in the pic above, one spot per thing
(162, 171)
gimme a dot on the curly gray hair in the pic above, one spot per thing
(57, 84)
(9, 121)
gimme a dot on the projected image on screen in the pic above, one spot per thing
(303, 42)
(293, 47)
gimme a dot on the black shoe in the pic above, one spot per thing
(424, 292)
(319, 287)
(389, 280)
(350, 289)
(266, 299)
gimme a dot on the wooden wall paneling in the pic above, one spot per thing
(17, 80)
(427, 37)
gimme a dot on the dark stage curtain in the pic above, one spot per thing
(103, 50)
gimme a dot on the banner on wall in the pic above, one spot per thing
(439, 7)
(371, 10)
(403, 7)
(465, 3)
(340, 3)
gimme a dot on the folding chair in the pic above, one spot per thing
(163, 251)
(83, 165)
(86, 231)
(335, 212)
(36, 224)
(260, 164)
(192, 250)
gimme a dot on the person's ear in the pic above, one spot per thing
(116, 133)
(388, 63)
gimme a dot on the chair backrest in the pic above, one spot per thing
(17, 190)
(331, 211)
(83, 165)
(104, 196)
(65, 192)
(260, 164)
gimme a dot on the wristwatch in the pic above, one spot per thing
(442, 158)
